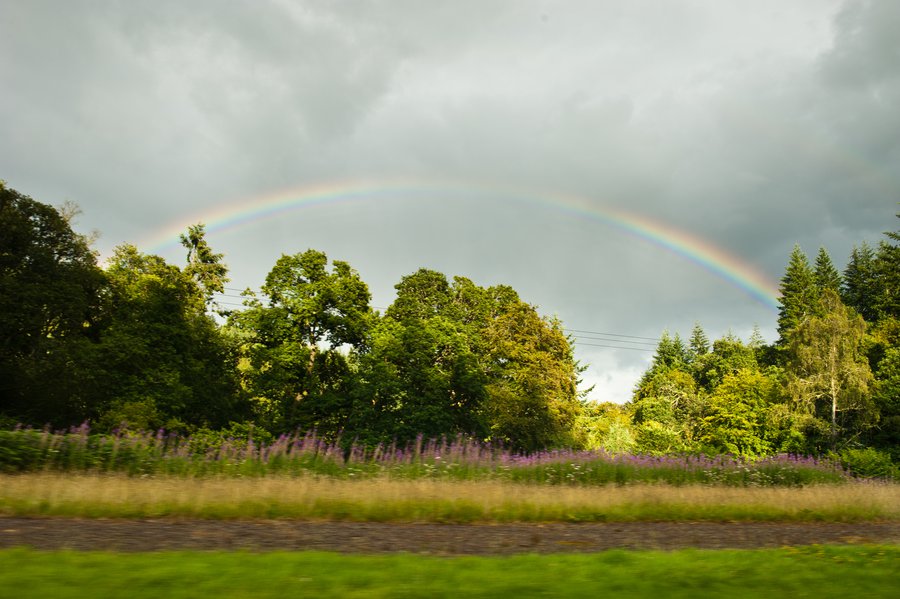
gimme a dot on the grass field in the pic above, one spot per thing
(817, 571)
(428, 500)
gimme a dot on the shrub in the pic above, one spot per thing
(868, 463)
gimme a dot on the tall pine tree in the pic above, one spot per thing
(698, 344)
(827, 276)
(799, 294)
(887, 269)
(859, 288)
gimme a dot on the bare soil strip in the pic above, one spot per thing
(437, 539)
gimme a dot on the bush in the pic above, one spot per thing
(868, 463)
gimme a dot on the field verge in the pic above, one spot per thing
(427, 500)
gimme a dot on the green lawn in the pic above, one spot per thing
(816, 571)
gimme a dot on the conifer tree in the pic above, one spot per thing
(698, 344)
(859, 288)
(756, 338)
(799, 294)
(827, 276)
(887, 270)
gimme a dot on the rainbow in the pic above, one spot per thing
(712, 258)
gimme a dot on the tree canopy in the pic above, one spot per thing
(137, 343)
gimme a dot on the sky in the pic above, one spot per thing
(628, 166)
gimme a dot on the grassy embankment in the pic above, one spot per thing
(817, 571)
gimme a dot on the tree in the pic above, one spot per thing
(160, 359)
(292, 363)
(736, 420)
(729, 355)
(827, 364)
(420, 295)
(887, 272)
(698, 344)
(532, 380)
(50, 287)
(418, 377)
(204, 266)
(827, 276)
(860, 285)
(799, 295)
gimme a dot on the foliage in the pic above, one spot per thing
(161, 358)
(50, 289)
(204, 266)
(291, 363)
(826, 275)
(860, 283)
(736, 420)
(828, 369)
(799, 294)
(869, 463)
(134, 346)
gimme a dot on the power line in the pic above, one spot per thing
(587, 335)
(615, 346)
(611, 334)
(591, 338)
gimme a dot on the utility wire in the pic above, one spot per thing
(615, 346)
(577, 339)
(611, 334)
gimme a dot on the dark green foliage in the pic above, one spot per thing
(860, 285)
(204, 266)
(50, 290)
(887, 272)
(161, 360)
(827, 276)
(419, 377)
(799, 294)
(729, 355)
(291, 364)
(454, 358)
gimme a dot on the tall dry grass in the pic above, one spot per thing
(386, 499)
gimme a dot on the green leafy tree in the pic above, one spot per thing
(204, 266)
(729, 355)
(418, 377)
(161, 360)
(827, 367)
(50, 287)
(292, 364)
(533, 400)
(607, 426)
(737, 410)
(455, 357)
(886, 396)
(421, 295)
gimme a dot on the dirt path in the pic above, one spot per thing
(440, 539)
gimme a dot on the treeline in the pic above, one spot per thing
(830, 383)
(133, 344)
